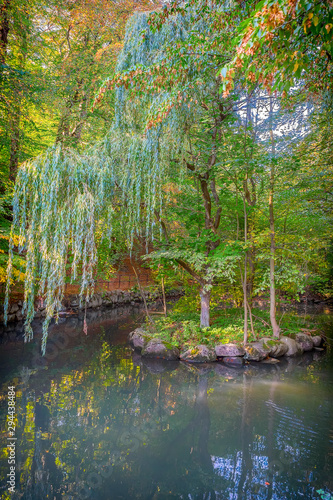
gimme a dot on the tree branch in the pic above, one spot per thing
(187, 268)
(163, 226)
(207, 201)
(181, 262)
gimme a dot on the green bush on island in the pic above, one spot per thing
(181, 327)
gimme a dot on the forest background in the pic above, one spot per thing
(200, 130)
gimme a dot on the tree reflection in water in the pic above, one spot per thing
(101, 423)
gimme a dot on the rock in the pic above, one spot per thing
(13, 308)
(305, 341)
(316, 339)
(270, 361)
(254, 354)
(307, 358)
(277, 348)
(201, 369)
(229, 372)
(4, 338)
(262, 347)
(95, 301)
(256, 351)
(157, 348)
(12, 336)
(11, 317)
(157, 366)
(229, 350)
(19, 326)
(317, 355)
(294, 349)
(137, 359)
(199, 354)
(19, 316)
(234, 360)
(292, 362)
(138, 338)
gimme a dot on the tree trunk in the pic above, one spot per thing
(73, 118)
(14, 140)
(245, 337)
(251, 320)
(245, 278)
(76, 133)
(205, 304)
(272, 294)
(4, 30)
(16, 110)
(163, 295)
(251, 266)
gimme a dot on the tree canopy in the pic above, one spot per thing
(217, 178)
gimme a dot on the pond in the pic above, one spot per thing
(95, 421)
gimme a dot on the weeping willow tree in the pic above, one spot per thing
(164, 118)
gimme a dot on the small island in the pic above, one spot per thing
(175, 337)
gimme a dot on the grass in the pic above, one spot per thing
(181, 328)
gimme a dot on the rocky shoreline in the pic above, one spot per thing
(266, 350)
(71, 304)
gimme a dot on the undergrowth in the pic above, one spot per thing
(181, 327)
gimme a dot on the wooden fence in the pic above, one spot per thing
(121, 281)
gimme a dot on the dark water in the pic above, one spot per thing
(95, 421)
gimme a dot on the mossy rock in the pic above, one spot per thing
(305, 341)
(229, 350)
(294, 348)
(199, 354)
(275, 346)
(256, 351)
(157, 348)
(138, 338)
(317, 340)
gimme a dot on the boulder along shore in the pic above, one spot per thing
(265, 350)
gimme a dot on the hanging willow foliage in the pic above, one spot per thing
(60, 195)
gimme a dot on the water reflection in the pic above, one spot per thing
(98, 422)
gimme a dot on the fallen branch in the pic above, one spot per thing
(281, 318)
(260, 319)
